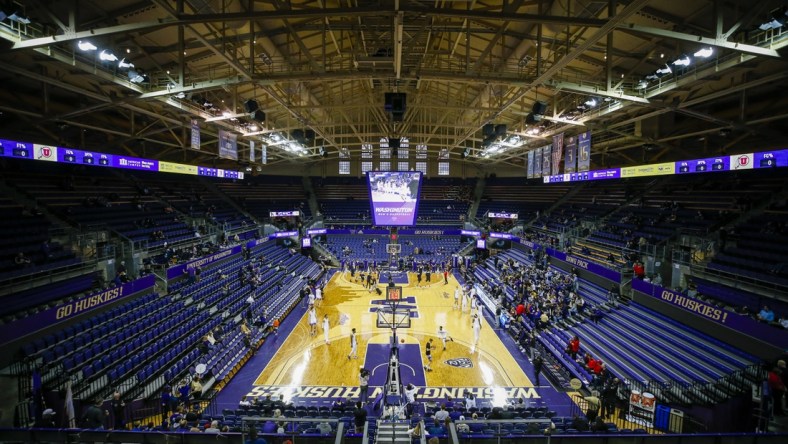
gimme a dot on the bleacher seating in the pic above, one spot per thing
(373, 247)
(635, 343)
(512, 195)
(150, 341)
(261, 195)
(757, 249)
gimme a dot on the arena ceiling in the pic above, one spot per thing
(325, 65)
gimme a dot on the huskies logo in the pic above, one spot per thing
(460, 362)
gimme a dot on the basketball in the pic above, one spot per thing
(402, 340)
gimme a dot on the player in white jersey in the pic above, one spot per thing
(456, 298)
(353, 345)
(312, 320)
(443, 335)
(477, 327)
(326, 326)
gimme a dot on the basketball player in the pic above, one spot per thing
(325, 327)
(311, 298)
(464, 301)
(443, 336)
(474, 303)
(312, 321)
(456, 298)
(477, 328)
(418, 278)
(428, 352)
(318, 295)
(353, 345)
(428, 273)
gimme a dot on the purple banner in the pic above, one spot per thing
(24, 150)
(470, 233)
(492, 215)
(584, 151)
(585, 264)
(47, 318)
(703, 165)
(135, 163)
(428, 232)
(742, 324)
(178, 270)
(570, 163)
(394, 197)
(530, 170)
(558, 151)
(293, 213)
(510, 236)
(282, 234)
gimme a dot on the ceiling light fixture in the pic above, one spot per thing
(86, 46)
(682, 61)
(705, 52)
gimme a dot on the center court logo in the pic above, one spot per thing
(460, 362)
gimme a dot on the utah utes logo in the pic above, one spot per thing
(46, 151)
(460, 362)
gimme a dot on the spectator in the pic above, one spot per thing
(253, 438)
(579, 424)
(359, 417)
(442, 416)
(324, 428)
(774, 379)
(46, 421)
(574, 347)
(599, 426)
(94, 416)
(766, 314)
(214, 428)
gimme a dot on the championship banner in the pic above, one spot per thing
(251, 151)
(558, 151)
(530, 170)
(584, 151)
(264, 155)
(537, 162)
(195, 134)
(546, 152)
(228, 145)
(570, 163)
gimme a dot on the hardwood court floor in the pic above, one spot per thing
(305, 360)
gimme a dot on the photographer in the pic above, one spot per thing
(363, 383)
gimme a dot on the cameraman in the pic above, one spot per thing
(363, 383)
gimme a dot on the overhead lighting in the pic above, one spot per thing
(664, 71)
(180, 95)
(591, 102)
(777, 19)
(135, 77)
(107, 56)
(682, 61)
(86, 46)
(705, 53)
(643, 84)
(123, 64)
(10, 11)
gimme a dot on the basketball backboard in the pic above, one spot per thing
(393, 319)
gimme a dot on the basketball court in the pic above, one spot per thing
(304, 369)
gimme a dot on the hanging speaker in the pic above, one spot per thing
(539, 108)
(532, 118)
(258, 116)
(251, 106)
(488, 129)
(500, 129)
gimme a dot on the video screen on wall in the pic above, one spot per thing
(394, 197)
